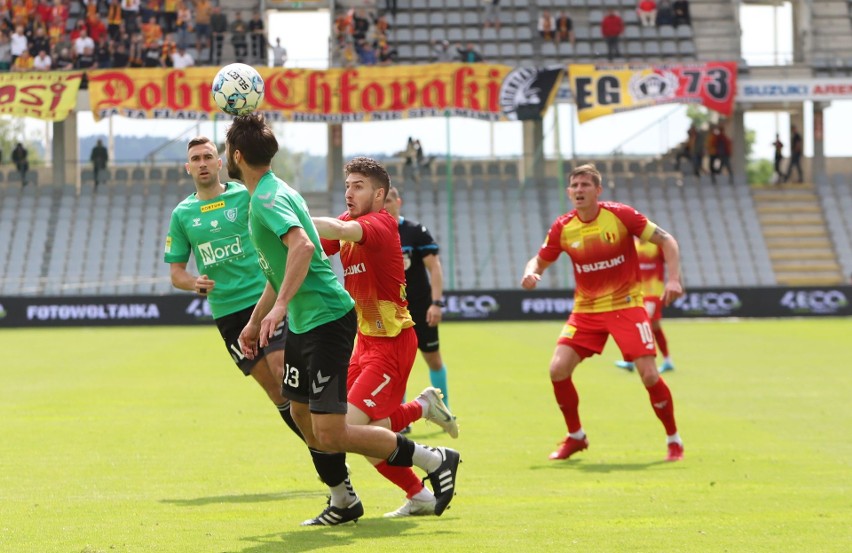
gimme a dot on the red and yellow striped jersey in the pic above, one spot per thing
(652, 268)
(606, 268)
(374, 275)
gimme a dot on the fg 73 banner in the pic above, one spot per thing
(607, 89)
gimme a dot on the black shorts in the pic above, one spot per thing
(427, 336)
(230, 327)
(317, 365)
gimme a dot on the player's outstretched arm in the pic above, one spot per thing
(532, 272)
(671, 254)
(184, 280)
(335, 229)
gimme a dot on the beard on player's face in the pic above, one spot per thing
(233, 171)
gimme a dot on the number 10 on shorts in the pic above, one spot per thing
(645, 334)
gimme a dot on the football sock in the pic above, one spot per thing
(342, 495)
(660, 337)
(674, 439)
(569, 403)
(405, 414)
(439, 380)
(578, 435)
(402, 455)
(331, 467)
(284, 411)
(661, 401)
(423, 495)
(408, 453)
(403, 477)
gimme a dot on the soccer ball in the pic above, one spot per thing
(237, 89)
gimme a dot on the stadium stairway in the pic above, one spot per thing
(796, 235)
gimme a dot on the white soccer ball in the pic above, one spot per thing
(237, 89)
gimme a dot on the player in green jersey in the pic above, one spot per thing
(212, 225)
(322, 326)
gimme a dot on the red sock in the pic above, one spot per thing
(569, 403)
(403, 477)
(405, 414)
(661, 401)
(660, 337)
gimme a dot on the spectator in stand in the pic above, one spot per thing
(382, 25)
(344, 27)
(99, 158)
(681, 13)
(42, 61)
(796, 147)
(5, 51)
(151, 30)
(86, 60)
(120, 58)
(24, 62)
(687, 147)
(43, 11)
(136, 51)
(103, 52)
(258, 37)
(82, 42)
(348, 56)
(130, 15)
(79, 27)
(218, 27)
(779, 157)
(152, 55)
(279, 54)
(491, 13)
(469, 54)
(647, 10)
(564, 28)
(367, 55)
(612, 27)
(170, 8)
(183, 25)
(167, 51)
(698, 152)
(148, 9)
(442, 51)
(547, 26)
(55, 31)
(182, 59)
(114, 20)
(239, 36)
(39, 42)
(96, 27)
(18, 42)
(665, 14)
(387, 55)
(19, 158)
(724, 149)
(64, 61)
(360, 26)
(203, 11)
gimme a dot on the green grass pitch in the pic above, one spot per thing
(149, 440)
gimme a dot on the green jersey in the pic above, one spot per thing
(216, 232)
(275, 209)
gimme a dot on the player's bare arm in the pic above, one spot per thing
(335, 229)
(532, 272)
(436, 281)
(184, 280)
(300, 250)
(671, 254)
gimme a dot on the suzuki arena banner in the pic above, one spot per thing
(606, 89)
(794, 90)
(43, 95)
(490, 92)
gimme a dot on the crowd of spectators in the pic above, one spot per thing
(46, 35)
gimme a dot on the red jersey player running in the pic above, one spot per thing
(652, 271)
(367, 238)
(598, 237)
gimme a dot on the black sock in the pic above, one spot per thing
(331, 467)
(284, 411)
(402, 455)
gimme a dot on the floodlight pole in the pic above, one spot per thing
(450, 233)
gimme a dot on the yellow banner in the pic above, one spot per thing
(44, 95)
(490, 92)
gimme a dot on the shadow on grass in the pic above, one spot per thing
(365, 534)
(242, 498)
(597, 467)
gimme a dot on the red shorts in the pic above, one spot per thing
(378, 372)
(654, 308)
(586, 333)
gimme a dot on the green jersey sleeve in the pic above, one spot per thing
(177, 247)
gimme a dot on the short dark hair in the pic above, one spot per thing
(253, 138)
(587, 169)
(198, 141)
(370, 168)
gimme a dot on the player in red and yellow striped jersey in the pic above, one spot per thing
(367, 238)
(598, 237)
(652, 271)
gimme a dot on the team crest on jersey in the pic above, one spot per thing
(231, 214)
(196, 222)
(609, 237)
